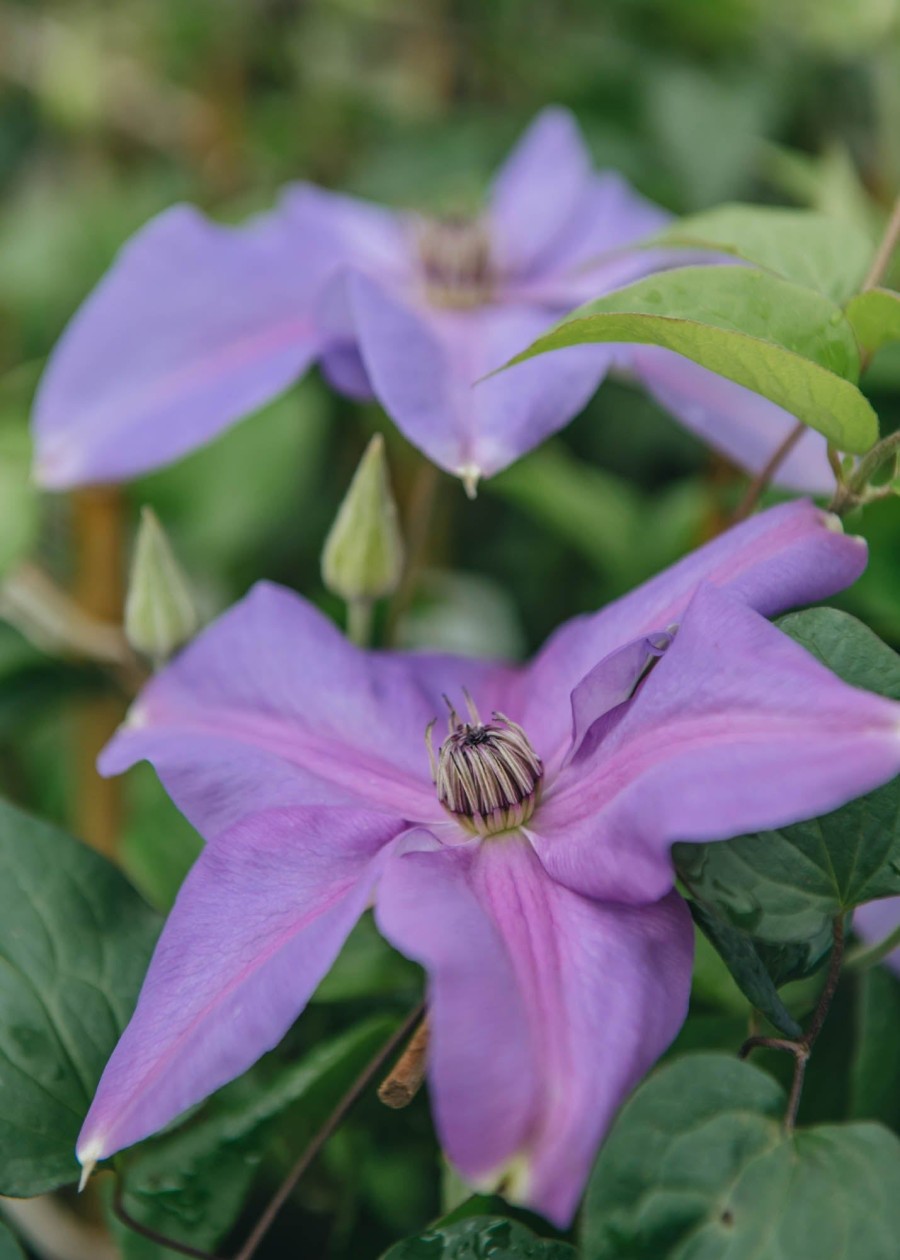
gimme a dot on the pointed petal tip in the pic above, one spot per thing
(470, 475)
(87, 1158)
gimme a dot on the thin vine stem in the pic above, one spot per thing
(761, 481)
(801, 1048)
(365, 1078)
(284, 1191)
(885, 251)
(845, 496)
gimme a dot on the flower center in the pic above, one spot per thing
(454, 253)
(487, 774)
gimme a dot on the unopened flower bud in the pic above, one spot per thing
(362, 559)
(159, 612)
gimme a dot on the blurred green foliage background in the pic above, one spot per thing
(111, 111)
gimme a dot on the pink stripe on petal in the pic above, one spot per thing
(545, 1008)
(194, 326)
(790, 555)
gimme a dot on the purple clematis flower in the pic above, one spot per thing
(526, 868)
(198, 324)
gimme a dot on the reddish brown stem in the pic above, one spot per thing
(284, 1191)
(760, 482)
(802, 1047)
(404, 1081)
(99, 590)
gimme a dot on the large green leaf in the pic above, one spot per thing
(743, 959)
(786, 885)
(191, 1183)
(805, 246)
(875, 318)
(477, 1239)
(9, 1248)
(75, 940)
(787, 342)
(699, 1165)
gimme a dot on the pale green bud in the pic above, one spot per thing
(159, 612)
(362, 559)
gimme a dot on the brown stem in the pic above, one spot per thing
(802, 1047)
(885, 251)
(369, 1072)
(831, 982)
(760, 482)
(404, 1081)
(790, 1115)
(99, 589)
(161, 1240)
(281, 1195)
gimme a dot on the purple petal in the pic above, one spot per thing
(538, 190)
(194, 326)
(790, 555)
(741, 424)
(737, 729)
(258, 922)
(484, 1080)
(427, 371)
(593, 255)
(332, 230)
(271, 706)
(875, 922)
(611, 682)
(546, 1008)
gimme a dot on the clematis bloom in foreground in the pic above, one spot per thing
(198, 324)
(526, 868)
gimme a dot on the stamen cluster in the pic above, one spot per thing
(487, 775)
(454, 253)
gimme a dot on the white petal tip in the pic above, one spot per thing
(470, 475)
(833, 522)
(136, 717)
(87, 1168)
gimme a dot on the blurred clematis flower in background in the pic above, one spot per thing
(521, 857)
(875, 922)
(197, 324)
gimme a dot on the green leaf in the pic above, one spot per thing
(192, 1182)
(9, 1248)
(875, 318)
(874, 1074)
(787, 885)
(809, 248)
(743, 960)
(75, 940)
(847, 647)
(699, 1165)
(478, 1238)
(782, 340)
